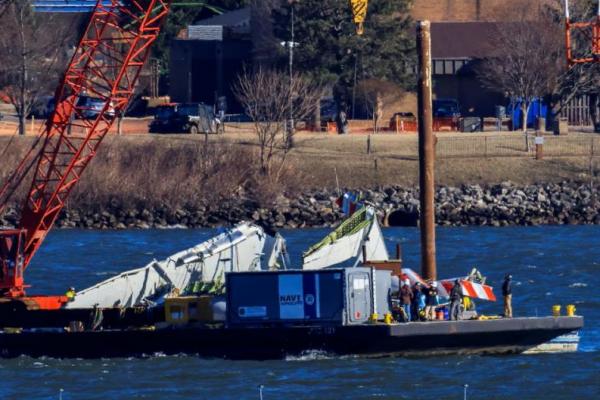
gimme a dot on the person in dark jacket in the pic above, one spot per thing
(433, 300)
(342, 120)
(406, 297)
(507, 293)
(418, 304)
(455, 299)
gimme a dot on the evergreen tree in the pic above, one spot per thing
(330, 51)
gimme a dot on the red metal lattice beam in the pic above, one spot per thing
(589, 32)
(105, 66)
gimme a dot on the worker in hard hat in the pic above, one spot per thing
(70, 294)
(507, 294)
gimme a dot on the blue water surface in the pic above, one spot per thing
(551, 265)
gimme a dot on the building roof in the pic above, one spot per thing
(235, 18)
(64, 5)
(236, 23)
(462, 39)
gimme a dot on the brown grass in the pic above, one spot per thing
(461, 160)
(178, 170)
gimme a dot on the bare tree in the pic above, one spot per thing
(4, 5)
(265, 95)
(32, 52)
(377, 95)
(525, 62)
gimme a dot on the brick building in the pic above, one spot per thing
(461, 33)
(471, 10)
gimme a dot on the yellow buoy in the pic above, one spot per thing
(556, 310)
(571, 310)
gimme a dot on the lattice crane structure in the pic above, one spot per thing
(582, 38)
(105, 66)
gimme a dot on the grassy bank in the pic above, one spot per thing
(179, 170)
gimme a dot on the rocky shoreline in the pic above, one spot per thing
(504, 204)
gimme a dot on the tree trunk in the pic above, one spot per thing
(22, 109)
(378, 111)
(22, 124)
(555, 112)
(317, 116)
(374, 121)
(263, 161)
(594, 115)
(120, 124)
(289, 135)
(525, 114)
(525, 110)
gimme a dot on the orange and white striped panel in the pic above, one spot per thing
(478, 291)
(470, 289)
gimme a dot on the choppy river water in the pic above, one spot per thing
(551, 265)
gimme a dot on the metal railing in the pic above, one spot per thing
(516, 146)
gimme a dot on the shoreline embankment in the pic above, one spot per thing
(504, 204)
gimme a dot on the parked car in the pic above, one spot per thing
(446, 108)
(43, 107)
(329, 110)
(184, 118)
(91, 107)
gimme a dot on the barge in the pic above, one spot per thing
(502, 336)
(174, 306)
(274, 315)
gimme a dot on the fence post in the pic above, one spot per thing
(592, 173)
(486, 146)
(539, 146)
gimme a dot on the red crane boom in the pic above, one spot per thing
(582, 38)
(105, 66)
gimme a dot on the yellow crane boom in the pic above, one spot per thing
(359, 12)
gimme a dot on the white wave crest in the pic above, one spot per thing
(310, 355)
(578, 284)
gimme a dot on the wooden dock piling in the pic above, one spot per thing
(426, 152)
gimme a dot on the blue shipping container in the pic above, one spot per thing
(537, 109)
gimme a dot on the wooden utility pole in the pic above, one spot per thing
(426, 152)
